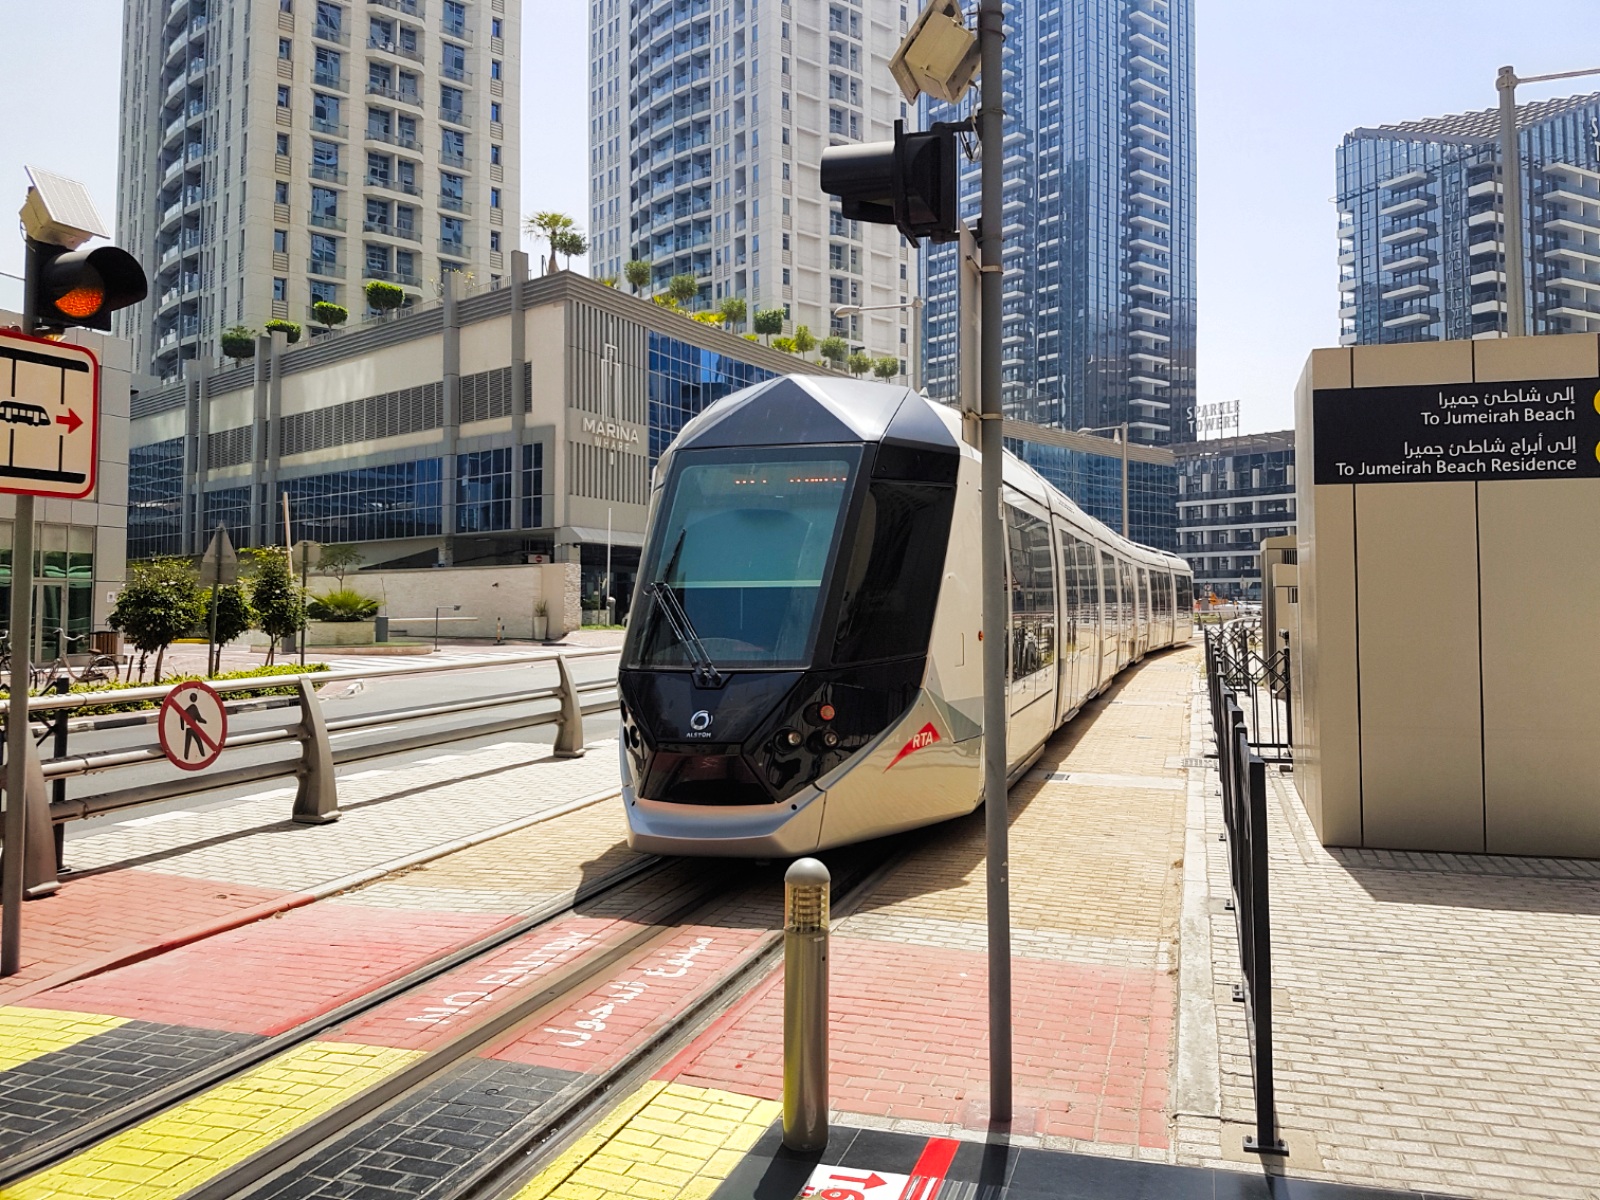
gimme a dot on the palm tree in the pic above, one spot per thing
(549, 226)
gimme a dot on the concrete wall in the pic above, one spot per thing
(1449, 691)
(484, 594)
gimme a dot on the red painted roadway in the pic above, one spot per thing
(909, 1040)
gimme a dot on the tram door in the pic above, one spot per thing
(1077, 621)
(1110, 616)
(1144, 613)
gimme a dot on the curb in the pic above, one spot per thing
(291, 900)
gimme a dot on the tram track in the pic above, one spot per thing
(545, 1128)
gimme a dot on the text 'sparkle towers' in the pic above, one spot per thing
(1099, 221)
(284, 152)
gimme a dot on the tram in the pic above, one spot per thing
(802, 667)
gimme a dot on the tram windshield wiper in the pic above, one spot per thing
(705, 671)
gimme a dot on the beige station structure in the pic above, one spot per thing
(1446, 669)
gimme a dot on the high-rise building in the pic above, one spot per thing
(1421, 225)
(1098, 220)
(279, 154)
(1233, 493)
(707, 123)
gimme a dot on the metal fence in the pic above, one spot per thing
(1259, 677)
(1244, 811)
(316, 798)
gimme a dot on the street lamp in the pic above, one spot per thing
(1122, 436)
(915, 305)
(1511, 190)
(437, 609)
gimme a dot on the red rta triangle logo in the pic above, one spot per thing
(926, 736)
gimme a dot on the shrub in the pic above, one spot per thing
(289, 329)
(637, 272)
(886, 367)
(328, 315)
(342, 605)
(384, 297)
(859, 363)
(786, 344)
(80, 689)
(239, 342)
(769, 321)
(160, 602)
(834, 348)
(683, 288)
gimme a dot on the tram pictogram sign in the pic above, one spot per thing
(193, 726)
(49, 417)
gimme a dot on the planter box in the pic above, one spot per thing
(341, 633)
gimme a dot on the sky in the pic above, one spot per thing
(1278, 85)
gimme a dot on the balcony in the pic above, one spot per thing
(1404, 180)
(388, 276)
(1411, 262)
(1489, 187)
(394, 231)
(1425, 316)
(391, 93)
(411, 8)
(330, 33)
(455, 204)
(395, 48)
(332, 128)
(1488, 217)
(327, 221)
(450, 158)
(1414, 204)
(459, 74)
(327, 172)
(1575, 224)
(1408, 291)
(1407, 233)
(393, 185)
(330, 268)
(453, 248)
(456, 116)
(330, 80)
(406, 141)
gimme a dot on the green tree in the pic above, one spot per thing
(804, 341)
(549, 226)
(786, 344)
(279, 601)
(384, 297)
(886, 367)
(637, 272)
(768, 322)
(234, 617)
(289, 329)
(239, 342)
(859, 363)
(683, 288)
(339, 560)
(733, 310)
(328, 315)
(161, 601)
(835, 349)
(569, 243)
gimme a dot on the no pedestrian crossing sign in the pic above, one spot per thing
(193, 726)
(49, 417)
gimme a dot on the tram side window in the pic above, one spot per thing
(1144, 595)
(1033, 599)
(1111, 581)
(1185, 594)
(890, 586)
(1125, 590)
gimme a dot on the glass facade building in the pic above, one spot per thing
(684, 378)
(1094, 481)
(1232, 493)
(1098, 206)
(1421, 225)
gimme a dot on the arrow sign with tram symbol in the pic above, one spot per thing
(192, 726)
(49, 417)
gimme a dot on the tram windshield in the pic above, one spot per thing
(744, 542)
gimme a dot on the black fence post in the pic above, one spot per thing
(58, 788)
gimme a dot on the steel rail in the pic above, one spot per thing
(107, 1124)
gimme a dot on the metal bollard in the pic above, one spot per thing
(805, 1005)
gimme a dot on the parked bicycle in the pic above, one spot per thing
(98, 669)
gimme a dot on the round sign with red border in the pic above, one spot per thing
(193, 726)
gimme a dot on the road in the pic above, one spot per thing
(373, 695)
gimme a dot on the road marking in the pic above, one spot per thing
(28, 1033)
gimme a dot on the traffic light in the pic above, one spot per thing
(909, 183)
(80, 287)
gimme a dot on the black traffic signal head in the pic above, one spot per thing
(909, 183)
(80, 287)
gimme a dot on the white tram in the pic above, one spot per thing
(802, 667)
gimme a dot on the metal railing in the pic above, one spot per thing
(316, 793)
(1244, 811)
(1261, 681)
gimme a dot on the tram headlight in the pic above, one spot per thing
(828, 739)
(789, 739)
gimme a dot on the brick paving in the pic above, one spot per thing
(1435, 1014)
(1097, 831)
(144, 880)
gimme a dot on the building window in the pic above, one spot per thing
(494, 240)
(532, 484)
(483, 490)
(455, 18)
(280, 192)
(494, 111)
(496, 25)
(280, 289)
(494, 155)
(323, 292)
(285, 49)
(283, 96)
(280, 241)
(494, 197)
(494, 68)
(401, 500)
(786, 277)
(453, 61)
(283, 145)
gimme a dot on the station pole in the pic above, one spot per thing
(991, 41)
(1511, 204)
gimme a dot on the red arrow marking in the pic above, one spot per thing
(72, 420)
(870, 1180)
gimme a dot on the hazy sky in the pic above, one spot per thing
(1278, 85)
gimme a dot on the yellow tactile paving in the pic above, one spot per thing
(26, 1033)
(665, 1141)
(182, 1148)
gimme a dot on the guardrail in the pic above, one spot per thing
(1260, 679)
(316, 794)
(1244, 812)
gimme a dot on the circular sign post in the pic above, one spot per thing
(193, 726)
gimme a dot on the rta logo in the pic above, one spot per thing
(700, 722)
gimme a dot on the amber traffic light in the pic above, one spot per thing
(80, 287)
(909, 183)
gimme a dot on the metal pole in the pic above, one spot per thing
(991, 32)
(605, 596)
(436, 611)
(805, 1005)
(1124, 479)
(1511, 204)
(305, 566)
(917, 327)
(17, 736)
(211, 649)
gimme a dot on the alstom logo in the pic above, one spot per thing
(921, 739)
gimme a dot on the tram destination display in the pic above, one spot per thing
(1539, 429)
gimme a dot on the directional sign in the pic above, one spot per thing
(49, 417)
(853, 1183)
(220, 566)
(193, 726)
